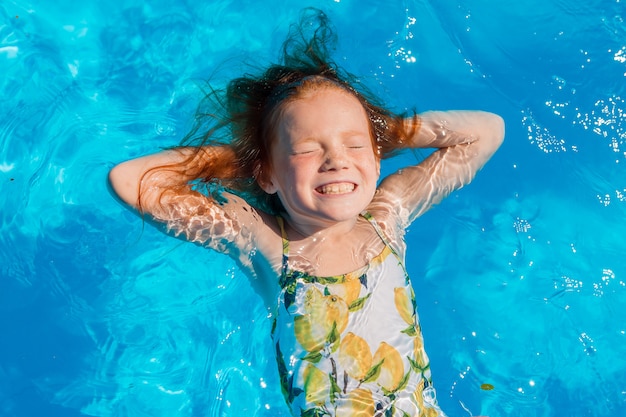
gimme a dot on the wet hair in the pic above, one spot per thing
(242, 118)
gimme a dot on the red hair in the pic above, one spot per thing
(241, 120)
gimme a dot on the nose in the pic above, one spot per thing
(334, 159)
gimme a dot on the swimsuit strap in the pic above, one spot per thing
(385, 239)
(283, 233)
(367, 216)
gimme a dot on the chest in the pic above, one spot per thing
(337, 255)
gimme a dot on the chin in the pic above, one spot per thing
(340, 215)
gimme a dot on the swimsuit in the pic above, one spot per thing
(351, 345)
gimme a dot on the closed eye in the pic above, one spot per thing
(358, 146)
(357, 142)
(303, 151)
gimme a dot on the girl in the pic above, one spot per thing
(294, 196)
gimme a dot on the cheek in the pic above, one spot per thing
(371, 165)
(301, 167)
(288, 175)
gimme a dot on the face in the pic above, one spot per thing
(324, 168)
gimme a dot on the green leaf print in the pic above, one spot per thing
(286, 383)
(314, 412)
(330, 280)
(334, 388)
(411, 331)
(418, 369)
(326, 292)
(416, 366)
(404, 382)
(373, 373)
(290, 294)
(358, 303)
(334, 335)
(313, 357)
(363, 280)
(282, 371)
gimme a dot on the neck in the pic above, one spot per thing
(320, 230)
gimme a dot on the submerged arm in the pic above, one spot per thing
(139, 182)
(465, 140)
(160, 185)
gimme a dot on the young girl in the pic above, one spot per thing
(294, 197)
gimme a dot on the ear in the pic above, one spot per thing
(264, 180)
(267, 185)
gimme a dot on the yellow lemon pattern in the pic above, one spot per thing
(357, 403)
(404, 304)
(317, 383)
(355, 356)
(351, 345)
(325, 316)
(392, 366)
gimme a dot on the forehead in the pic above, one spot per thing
(324, 109)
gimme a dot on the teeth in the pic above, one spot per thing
(341, 188)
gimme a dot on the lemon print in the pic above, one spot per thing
(358, 403)
(431, 412)
(355, 356)
(312, 338)
(404, 304)
(324, 314)
(316, 385)
(348, 290)
(310, 332)
(380, 258)
(336, 313)
(392, 368)
(419, 352)
(419, 398)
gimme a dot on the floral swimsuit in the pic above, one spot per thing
(351, 345)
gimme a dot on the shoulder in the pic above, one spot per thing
(229, 225)
(233, 227)
(388, 218)
(250, 230)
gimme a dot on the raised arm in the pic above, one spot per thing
(159, 185)
(465, 141)
(140, 182)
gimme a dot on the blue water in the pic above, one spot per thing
(520, 277)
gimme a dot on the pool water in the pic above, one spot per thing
(520, 277)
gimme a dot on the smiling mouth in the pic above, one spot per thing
(337, 188)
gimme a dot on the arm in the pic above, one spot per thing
(139, 182)
(439, 129)
(159, 185)
(465, 141)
